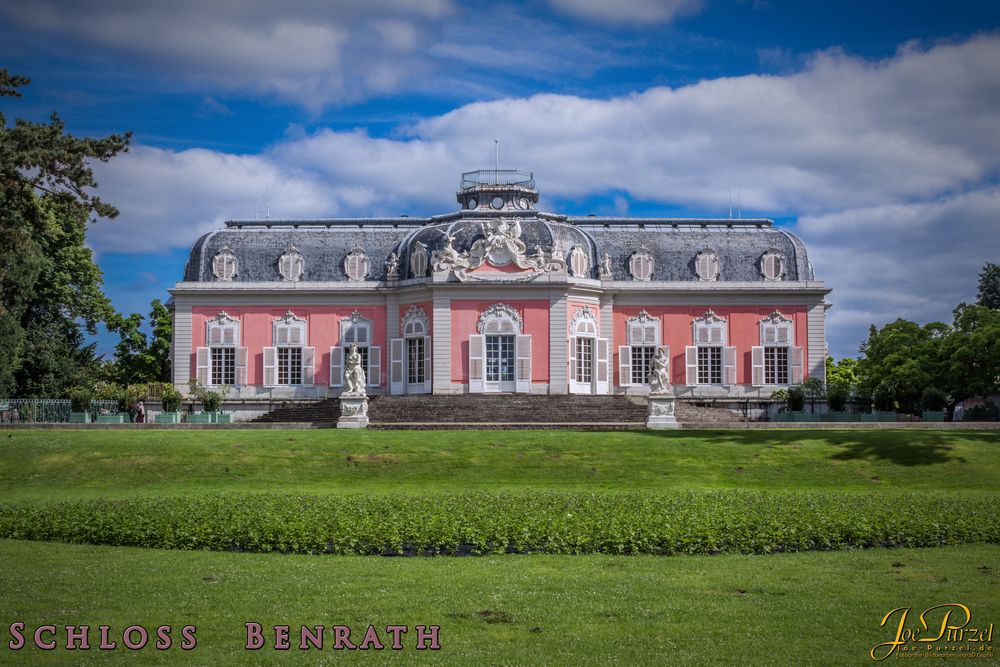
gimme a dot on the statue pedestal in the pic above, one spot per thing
(353, 412)
(661, 412)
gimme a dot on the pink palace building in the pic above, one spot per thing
(499, 297)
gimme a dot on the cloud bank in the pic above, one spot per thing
(890, 166)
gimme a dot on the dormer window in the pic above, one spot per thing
(224, 265)
(356, 264)
(706, 265)
(772, 265)
(291, 265)
(640, 265)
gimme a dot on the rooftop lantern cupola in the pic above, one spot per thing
(497, 190)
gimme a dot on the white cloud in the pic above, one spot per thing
(628, 11)
(311, 52)
(891, 166)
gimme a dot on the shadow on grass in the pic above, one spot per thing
(899, 447)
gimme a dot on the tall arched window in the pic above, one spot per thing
(410, 355)
(500, 354)
(588, 354)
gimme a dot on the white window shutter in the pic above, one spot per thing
(769, 335)
(691, 365)
(229, 335)
(783, 336)
(716, 335)
(203, 365)
(397, 366)
(729, 365)
(280, 335)
(757, 357)
(374, 366)
(650, 335)
(337, 366)
(624, 366)
(428, 368)
(214, 334)
(702, 334)
(635, 333)
(572, 358)
(477, 363)
(603, 364)
(270, 366)
(308, 365)
(295, 335)
(241, 366)
(522, 370)
(795, 365)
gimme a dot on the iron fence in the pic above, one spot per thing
(47, 410)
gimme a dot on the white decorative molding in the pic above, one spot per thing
(604, 269)
(776, 318)
(289, 318)
(356, 264)
(355, 317)
(709, 318)
(641, 266)
(225, 265)
(582, 315)
(500, 311)
(415, 314)
(223, 318)
(643, 317)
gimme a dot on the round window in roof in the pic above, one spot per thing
(356, 264)
(706, 264)
(772, 265)
(224, 265)
(640, 265)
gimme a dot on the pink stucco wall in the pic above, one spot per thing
(464, 316)
(323, 332)
(744, 333)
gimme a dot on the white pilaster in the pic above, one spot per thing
(558, 355)
(441, 342)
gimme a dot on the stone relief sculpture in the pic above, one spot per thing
(500, 245)
(354, 375)
(604, 270)
(659, 381)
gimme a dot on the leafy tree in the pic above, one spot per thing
(970, 355)
(900, 360)
(989, 286)
(49, 285)
(843, 373)
(138, 359)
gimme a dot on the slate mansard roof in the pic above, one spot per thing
(672, 243)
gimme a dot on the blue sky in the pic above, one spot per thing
(871, 129)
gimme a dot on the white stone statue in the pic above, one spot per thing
(605, 267)
(659, 381)
(354, 374)
(392, 267)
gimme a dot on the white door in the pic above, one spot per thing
(500, 364)
(582, 362)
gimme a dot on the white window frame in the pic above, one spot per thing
(776, 330)
(710, 330)
(641, 330)
(221, 331)
(500, 319)
(288, 331)
(584, 325)
(414, 326)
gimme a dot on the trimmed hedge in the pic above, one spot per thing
(707, 522)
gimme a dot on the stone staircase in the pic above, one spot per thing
(429, 411)
(324, 412)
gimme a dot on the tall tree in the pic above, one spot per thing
(989, 286)
(137, 357)
(49, 285)
(901, 360)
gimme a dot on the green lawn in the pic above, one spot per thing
(813, 607)
(36, 465)
(790, 609)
